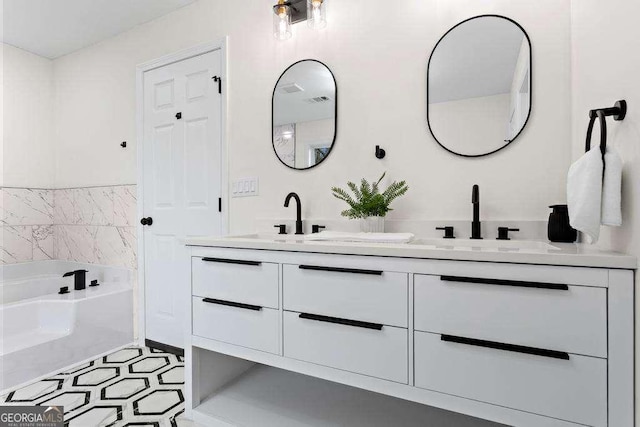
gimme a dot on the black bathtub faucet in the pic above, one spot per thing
(79, 280)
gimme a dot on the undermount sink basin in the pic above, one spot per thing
(486, 244)
(271, 236)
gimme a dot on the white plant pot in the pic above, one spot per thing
(372, 224)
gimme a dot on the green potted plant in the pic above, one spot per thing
(368, 204)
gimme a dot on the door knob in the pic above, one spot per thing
(146, 221)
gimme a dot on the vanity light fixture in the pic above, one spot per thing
(282, 20)
(288, 12)
(317, 14)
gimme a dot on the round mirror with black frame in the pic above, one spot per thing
(304, 114)
(479, 86)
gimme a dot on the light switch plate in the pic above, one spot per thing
(244, 187)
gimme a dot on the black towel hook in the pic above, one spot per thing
(618, 111)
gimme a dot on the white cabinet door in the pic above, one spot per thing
(182, 183)
(572, 389)
(572, 319)
(348, 293)
(240, 324)
(243, 281)
(380, 353)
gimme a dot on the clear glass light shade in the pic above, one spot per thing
(317, 14)
(282, 22)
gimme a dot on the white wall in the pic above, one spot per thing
(605, 64)
(471, 126)
(379, 56)
(603, 72)
(28, 131)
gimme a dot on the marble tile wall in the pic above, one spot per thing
(91, 225)
(27, 225)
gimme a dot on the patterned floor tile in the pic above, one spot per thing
(34, 391)
(130, 387)
(125, 388)
(96, 376)
(172, 376)
(158, 402)
(122, 356)
(70, 400)
(148, 365)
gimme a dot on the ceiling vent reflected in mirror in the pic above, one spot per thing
(318, 99)
(290, 88)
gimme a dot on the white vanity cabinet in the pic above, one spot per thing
(545, 344)
(240, 293)
(517, 344)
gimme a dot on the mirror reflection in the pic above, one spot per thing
(304, 114)
(479, 86)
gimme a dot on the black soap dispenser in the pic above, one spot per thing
(559, 229)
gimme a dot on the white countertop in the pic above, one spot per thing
(578, 255)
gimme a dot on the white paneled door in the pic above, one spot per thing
(182, 183)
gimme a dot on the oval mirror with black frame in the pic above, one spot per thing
(479, 86)
(304, 114)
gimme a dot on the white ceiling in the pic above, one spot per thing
(315, 80)
(476, 59)
(52, 28)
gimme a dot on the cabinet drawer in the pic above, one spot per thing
(564, 318)
(571, 390)
(243, 281)
(371, 296)
(380, 353)
(251, 327)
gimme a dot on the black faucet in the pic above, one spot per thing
(476, 227)
(80, 279)
(298, 211)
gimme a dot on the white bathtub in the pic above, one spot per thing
(44, 333)
(33, 279)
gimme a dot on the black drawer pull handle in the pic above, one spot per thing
(340, 270)
(500, 282)
(232, 261)
(348, 322)
(506, 347)
(232, 304)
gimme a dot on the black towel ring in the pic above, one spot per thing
(618, 111)
(603, 132)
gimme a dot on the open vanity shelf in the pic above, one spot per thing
(300, 338)
(270, 397)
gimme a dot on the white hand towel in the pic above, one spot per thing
(612, 189)
(584, 194)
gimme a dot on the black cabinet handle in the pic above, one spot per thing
(340, 270)
(348, 322)
(146, 221)
(232, 304)
(506, 347)
(232, 261)
(500, 282)
(218, 80)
